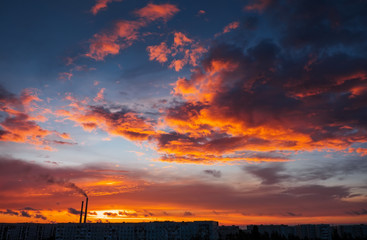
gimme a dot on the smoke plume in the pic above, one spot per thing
(65, 183)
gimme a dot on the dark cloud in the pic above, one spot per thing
(321, 24)
(110, 214)
(301, 88)
(214, 173)
(9, 212)
(25, 214)
(188, 214)
(269, 174)
(40, 216)
(73, 211)
(127, 214)
(293, 214)
(29, 209)
(358, 212)
(277, 173)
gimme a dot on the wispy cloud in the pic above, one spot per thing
(124, 33)
(101, 5)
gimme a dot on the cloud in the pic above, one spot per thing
(18, 176)
(110, 214)
(269, 174)
(124, 33)
(101, 5)
(152, 11)
(158, 52)
(29, 208)
(358, 212)
(145, 190)
(201, 12)
(214, 173)
(247, 100)
(125, 123)
(301, 89)
(183, 51)
(21, 116)
(25, 214)
(231, 26)
(99, 97)
(9, 212)
(103, 45)
(188, 214)
(40, 216)
(73, 211)
(258, 5)
(65, 76)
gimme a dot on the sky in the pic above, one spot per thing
(241, 112)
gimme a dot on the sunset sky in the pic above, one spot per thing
(242, 112)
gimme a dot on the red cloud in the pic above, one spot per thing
(231, 26)
(152, 12)
(100, 5)
(181, 39)
(103, 45)
(258, 5)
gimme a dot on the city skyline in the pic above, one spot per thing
(241, 112)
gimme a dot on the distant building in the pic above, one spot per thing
(203, 230)
(28, 231)
(314, 231)
(308, 231)
(352, 231)
(282, 230)
(226, 232)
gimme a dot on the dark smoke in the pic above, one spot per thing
(65, 183)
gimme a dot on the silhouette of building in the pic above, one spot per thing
(307, 231)
(352, 231)
(206, 230)
(27, 231)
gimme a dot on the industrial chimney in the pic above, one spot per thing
(81, 213)
(86, 210)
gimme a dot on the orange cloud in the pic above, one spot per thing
(100, 5)
(231, 26)
(21, 126)
(123, 123)
(158, 52)
(178, 64)
(181, 39)
(361, 151)
(103, 45)
(124, 32)
(152, 12)
(184, 51)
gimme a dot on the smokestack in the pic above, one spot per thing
(81, 213)
(86, 211)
